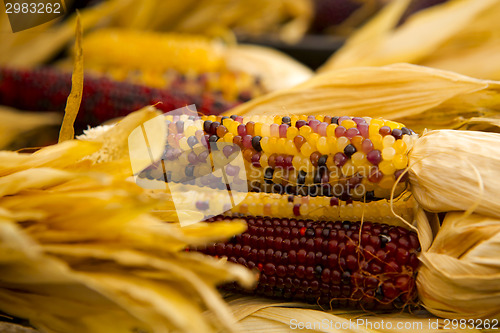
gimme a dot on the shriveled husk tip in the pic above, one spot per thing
(457, 170)
(460, 272)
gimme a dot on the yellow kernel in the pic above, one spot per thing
(386, 167)
(322, 146)
(280, 145)
(306, 149)
(228, 137)
(400, 161)
(332, 144)
(212, 118)
(342, 142)
(273, 141)
(313, 139)
(348, 123)
(303, 117)
(379, 122)
(297, 161)
(388, 153)
(263, 160)
(305, 131)
(257, 129)
(304, 209)
(377, 141)
(265, 130)
(292, 132)
(277, 120)
(306, 165)
(348, 169)
(320, 118)
(373, 130)
(392, 124)
(388, 141)
(264, 144)
(294, 119)
(290, 148)
(330, 129)
(358, 159)
(399, 146)
(227, 122)
(387, 182)
(234, 127)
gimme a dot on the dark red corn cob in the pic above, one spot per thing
(330, 263)
(46, 89)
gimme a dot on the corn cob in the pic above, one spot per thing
(195, 63)
(347, 158)
(46, 89)
(310, 248)
(337, 263)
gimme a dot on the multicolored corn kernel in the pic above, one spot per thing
(347, 158)
(304, 207)
(46, 89)
(341, 264)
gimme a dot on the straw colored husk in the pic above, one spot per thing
(80, 251)
(420, 97)
(457, 170)
(459, 35)
(460, 272)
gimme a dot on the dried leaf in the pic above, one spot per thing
(75, 96)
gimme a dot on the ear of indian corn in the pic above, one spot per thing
(46, 89)
(132, 50)
(341, 157)
(332, 263)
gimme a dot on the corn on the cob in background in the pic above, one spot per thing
(343, 157)
(147, 57)
(46, 89)
(334, 263)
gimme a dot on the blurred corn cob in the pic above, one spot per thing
(46, 89)
(145, 57)
(460, 36)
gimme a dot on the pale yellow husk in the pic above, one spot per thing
(417, 96)
(263, 315)
(460, 272)
(456, 170)
(459, 35)
(14, 123)
(80, 252)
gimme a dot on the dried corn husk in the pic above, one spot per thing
(460, 272)
(459, 35)
(456, 170)
(80, 252)
(420, 97)
(14, 123)
(259, 315)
